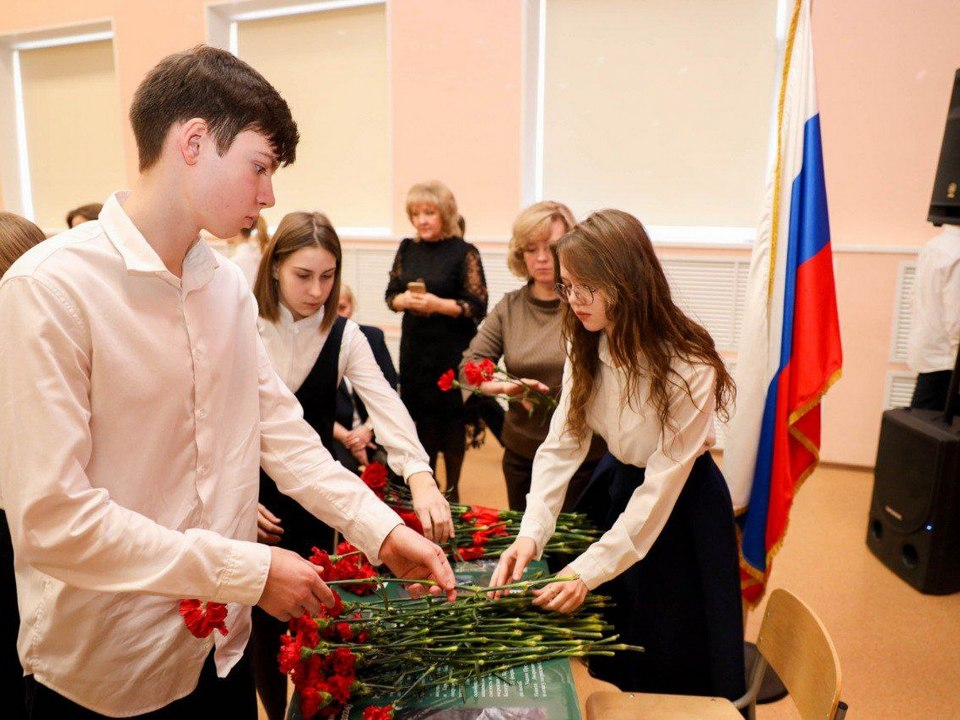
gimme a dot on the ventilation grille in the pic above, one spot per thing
(712, 292)
(899, 390)
(903, 311)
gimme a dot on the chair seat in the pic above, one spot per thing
(604, 705)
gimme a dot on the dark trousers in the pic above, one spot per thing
(263, 649)
(682, 601)
(230, 697)
(452, 442)
(518, 470)
(930, 392)
(10, 669)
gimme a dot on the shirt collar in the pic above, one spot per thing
(140, 257)
(307, 324)
(603, 350)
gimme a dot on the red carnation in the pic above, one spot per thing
(289, 656)
(473, 374)
(446, 381)
(470, 553)
(486, 368)
(378, 712)
(375, 476)
(202, 618)
(481, 515)
(411, 520)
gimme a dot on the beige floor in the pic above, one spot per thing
(899, 650)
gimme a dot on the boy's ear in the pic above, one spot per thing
(190, 137)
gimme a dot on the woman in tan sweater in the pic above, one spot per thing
(524, 329)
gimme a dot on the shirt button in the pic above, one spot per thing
(201, 413)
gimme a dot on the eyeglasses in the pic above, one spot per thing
(583, 293)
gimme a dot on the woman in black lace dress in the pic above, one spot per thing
(437, 282)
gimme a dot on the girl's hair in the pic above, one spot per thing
(87, 212)
(610, 251)
(297, 230)
(261, 231)
(347, 291)
(533, 225)
(17, 235)
(436, 193)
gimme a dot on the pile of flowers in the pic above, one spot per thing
(477, 373)
(479, 531)
(395, 649)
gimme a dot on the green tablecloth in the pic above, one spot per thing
(538, 691)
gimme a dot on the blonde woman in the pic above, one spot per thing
(524, 328)
(437, 282)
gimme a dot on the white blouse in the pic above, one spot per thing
(635, 437)
(295, 345)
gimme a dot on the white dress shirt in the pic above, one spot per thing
(293, 348)
(635, 437)
(935, 330)
(135, 409)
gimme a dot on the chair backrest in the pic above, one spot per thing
(797, 646)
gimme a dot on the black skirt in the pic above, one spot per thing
(682, 601)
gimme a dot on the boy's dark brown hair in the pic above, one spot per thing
(217, 86)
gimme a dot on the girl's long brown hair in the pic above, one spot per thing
(610, 251)
(297, 230)
(17, 235)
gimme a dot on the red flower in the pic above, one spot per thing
(203, 618)
(481, 515)
(486, 368)
(375, 712)
(446, 381)
(339, 687)
(289, 656)
(375, 476)
(344, 661)
(470, 553)
(471, 371)
(411, 520)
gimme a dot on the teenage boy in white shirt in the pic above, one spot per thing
(137, 404)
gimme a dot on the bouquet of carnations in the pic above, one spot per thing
(395, 649)
(477, 373)
(481, 532)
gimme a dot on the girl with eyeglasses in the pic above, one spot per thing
(524, 329)
(648, 379)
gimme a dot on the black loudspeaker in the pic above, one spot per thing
(945, 203)
(914, 523)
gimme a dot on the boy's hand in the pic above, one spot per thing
(293, 586)
(410, 555)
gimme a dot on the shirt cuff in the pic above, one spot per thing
(245, 575)
(589, 571)
(368, 533)
(535, 531)
(412, 468)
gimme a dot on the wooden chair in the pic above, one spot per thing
(792, 641)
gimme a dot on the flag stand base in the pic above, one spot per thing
(771, 689)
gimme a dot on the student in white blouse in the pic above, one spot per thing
(312, 348)
(137, 404)
(647, 379)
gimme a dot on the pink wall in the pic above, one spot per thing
(884, 71)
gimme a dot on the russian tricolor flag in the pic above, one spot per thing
(789, 352)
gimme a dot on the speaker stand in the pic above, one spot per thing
(771, 689)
